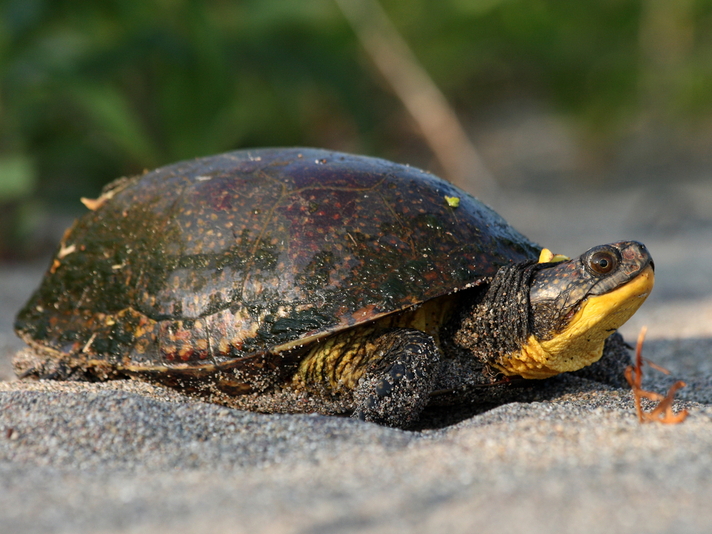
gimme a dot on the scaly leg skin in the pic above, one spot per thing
(29, 363)
(33, 364)
(396, 387)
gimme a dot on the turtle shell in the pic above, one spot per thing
(217, 259)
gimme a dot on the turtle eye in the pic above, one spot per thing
(603, 262)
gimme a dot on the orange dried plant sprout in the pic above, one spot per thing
(662, 413)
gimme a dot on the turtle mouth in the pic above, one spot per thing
(609, 311)
(647, 279)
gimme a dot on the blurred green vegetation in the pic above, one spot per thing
(90, 91)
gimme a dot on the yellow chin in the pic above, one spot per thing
(581, 342)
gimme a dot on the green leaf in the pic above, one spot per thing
(110, 111)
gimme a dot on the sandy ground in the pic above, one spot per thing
(130, 457)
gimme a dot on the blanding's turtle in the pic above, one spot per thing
(300, 280)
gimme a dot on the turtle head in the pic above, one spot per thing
(576, 304)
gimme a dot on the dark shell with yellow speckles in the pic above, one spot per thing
(224, 259)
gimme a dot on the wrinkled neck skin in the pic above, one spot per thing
(495, 329)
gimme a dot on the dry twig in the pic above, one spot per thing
(420, 95)
(662, 413)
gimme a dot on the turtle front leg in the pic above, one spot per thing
(400, 376)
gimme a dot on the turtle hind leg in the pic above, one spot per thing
(35, 365)
(399, 379)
